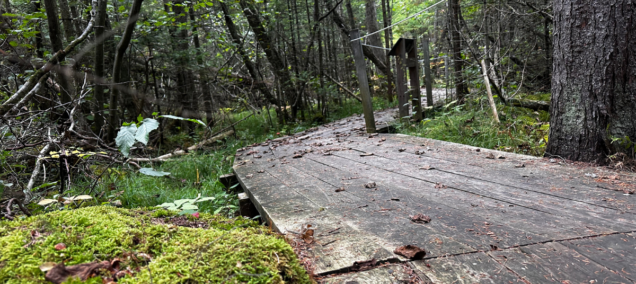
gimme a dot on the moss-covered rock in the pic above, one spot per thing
(232, 250)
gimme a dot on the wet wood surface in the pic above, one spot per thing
(346, 201)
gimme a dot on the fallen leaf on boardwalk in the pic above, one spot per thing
(417, 152)
(366, 154)
(440, 185)
(401, 149)
(420, 218)
(327, 154)
(477, 150)
(60, 273)
(257, 156)
(629, 191)
(410, 252)
(261, 171)
(364, 265)
(614, 177)
(395, 199)
(370, 185)
(501, 157)
(383, 139)
(340, 189)
(298, 156)
(520, 166)
(307, 233)
(251, 152)
(427, 167)
(490, 156)
(249, 176)
(60, 246)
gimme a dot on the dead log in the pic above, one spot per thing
(534, 105)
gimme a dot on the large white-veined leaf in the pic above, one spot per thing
(152, 172)
(204, 199)
(182, 118)
(126, 138)
(189, 206)
(45, 202)
(147, 126)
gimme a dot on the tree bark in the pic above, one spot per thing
(98, 94)
(65, 10)
(594, 80)
(460, 85)
(274, 58)
(119, 56)
(371, 19)
(56, 43)
(205, 88)
(258, 81)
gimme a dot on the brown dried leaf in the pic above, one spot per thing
(420, 218)
(370, 185)
(401, 149)
(340, 189)
(490, 156)
(60, 273)
(440, 185)
(520, 166)
(410, 252)
(366, 154)
(427, 167)
(298, 156)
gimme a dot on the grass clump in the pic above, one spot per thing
(228, 250)
(521, 130)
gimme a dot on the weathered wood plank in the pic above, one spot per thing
(616, 252)
(555, 263)
(389, 274)
(466, 269)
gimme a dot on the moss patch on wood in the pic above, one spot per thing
(232, 250)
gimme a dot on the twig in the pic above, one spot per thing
(24, 210)
(38, 163)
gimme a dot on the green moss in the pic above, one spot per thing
(235, 249)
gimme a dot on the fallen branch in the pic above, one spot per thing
(534, 105)
(183, 152)
(36, 171)
(348, 92)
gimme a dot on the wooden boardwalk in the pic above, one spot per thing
(496, 217)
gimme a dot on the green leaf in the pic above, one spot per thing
(189, 206)
(13, 43)
(45, 202)
(126, 138)
(152, 172)
(140, 118)
(184, 212)
(147, 126)
(181, 118)
(204, 199)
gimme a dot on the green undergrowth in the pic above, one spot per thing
(232, 250)
(521, 130)
(137, 190)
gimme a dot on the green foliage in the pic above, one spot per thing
(521, 130)
(185, 206)
(228, 249)
(153, 172)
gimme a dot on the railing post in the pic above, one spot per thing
(361, 72)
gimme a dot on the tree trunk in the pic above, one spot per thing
(371, 19)
(274, 58)
(98, 94)
(460, 85)
(119, 56)
(56, 43)
(594, 80)
(65, 10)
(258, 81)
(205, 88)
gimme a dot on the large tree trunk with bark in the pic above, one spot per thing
(594, 80)
(55, 36)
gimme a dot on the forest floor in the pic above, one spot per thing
(521, 131)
